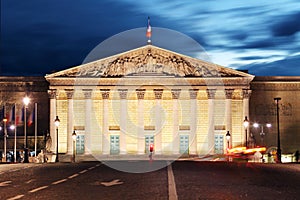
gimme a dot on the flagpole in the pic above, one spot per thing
(5, 133)
(35, 128)
(15, 140)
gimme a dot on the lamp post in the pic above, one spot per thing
(26, 101)
(228, 139)
(5, 138)
(246, 124)
(277, 99)
(262, 134)
(74, 145)
(56, 122)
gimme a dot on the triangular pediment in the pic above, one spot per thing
(148, 60)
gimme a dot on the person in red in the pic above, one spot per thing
(151, 148)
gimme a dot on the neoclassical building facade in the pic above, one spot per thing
(121, 104)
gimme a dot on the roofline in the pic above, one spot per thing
(148, 46)
(276, 78)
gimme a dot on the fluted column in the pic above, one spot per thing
(228, 113)
(158, 121)
(140, 132)
(70, 119)
(123, 117)
(211, 123)
(193, 121)
(52, 95)
(246, 97)
(175, 97)
(88, 110)
(105, 126)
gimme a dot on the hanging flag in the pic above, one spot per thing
(2, 113)
(11, 118)
(149, 31)
(20, 117)
(31, 118)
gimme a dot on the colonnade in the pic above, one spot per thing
(105, 93)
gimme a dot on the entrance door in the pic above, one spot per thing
(219, 144)
(114, 144)
(184, 144)
(80, 144)
(149, 139)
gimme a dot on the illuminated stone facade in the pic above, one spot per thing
(263, 110)
(121, 104)
(156, 104)
(12, 92)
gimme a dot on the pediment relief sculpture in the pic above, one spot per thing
(149, 60)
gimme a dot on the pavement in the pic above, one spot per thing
(89, 157)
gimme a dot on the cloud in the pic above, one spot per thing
(288, 25)
(52, 35)
(285, 67)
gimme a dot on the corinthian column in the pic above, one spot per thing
(228, 113)
(52, 95)
(141, 138)
(70, 117)
(211, 123)
(158, 121)
(175, 97)
(246, 97)
(88, 110)
(193, 121)
(105, 127)
(123, 117)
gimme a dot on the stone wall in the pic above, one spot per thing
(12, 92)
(263, 110)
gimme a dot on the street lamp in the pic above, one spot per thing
(56, 122)
(262, 134)
(74, 145)
(228, 139)
(26, 101)
(5, 138)
(277, 99)
(246, 124)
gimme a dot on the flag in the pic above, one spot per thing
(2, 113)
(11, 115)
(149, 32)
(20, 117)
(31, 118)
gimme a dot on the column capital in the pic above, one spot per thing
(105, 93)
(193, 93)
(140, 93)
(52, 93)
(211, 93)
(175, 93)
(123, 93)
(87, 93)
(158, 93)
(70, 93)
(228, 93)
(246, 93)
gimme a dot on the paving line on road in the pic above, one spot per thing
(59, 181)
(83, 171)
(53, 183)
(171, 184)
(38, 189)
(16, 197)
(73, 176)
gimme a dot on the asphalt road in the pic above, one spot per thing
(192, 180)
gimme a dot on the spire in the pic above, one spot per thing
(149, 32)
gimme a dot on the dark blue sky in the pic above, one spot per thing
(39, 37)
